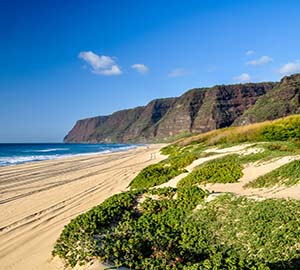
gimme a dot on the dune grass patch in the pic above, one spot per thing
(154, 175)
(286, 175)
(270, 150)
(165, 170)
(216, 171)
(287, 128)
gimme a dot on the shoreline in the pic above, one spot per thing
(55, 157)
(38, 198)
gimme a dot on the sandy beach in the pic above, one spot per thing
(37, 199)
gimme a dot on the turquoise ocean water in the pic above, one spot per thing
(16, 153)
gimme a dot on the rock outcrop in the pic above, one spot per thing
(84, 128)
(198, 110)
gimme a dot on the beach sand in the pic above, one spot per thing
(37, 199)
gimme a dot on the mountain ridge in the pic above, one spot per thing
(197, 110)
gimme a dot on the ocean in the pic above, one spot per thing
(17, 153)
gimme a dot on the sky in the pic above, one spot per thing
(66, 60)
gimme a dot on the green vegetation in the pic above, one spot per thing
(185, 151)
(160, 229)
(270, 150)
(213, 172)
(281, 130)
(76, 244)
(238, 233)
(174, 150)
(287, 128)
(282, 100)
(228, 169)
(124, 232)
(155, 175)
(180, 135)
(171, 149)
(165, 170)
(287, 175)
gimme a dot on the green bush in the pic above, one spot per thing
(282, 130)
(287, 175)
(270, 150)
(183, 160)
(213, 172)
(171, 149)
(154, 175)
(238, 233)
(163, 171)
(119, 232)
(76, 244)
(164, 231)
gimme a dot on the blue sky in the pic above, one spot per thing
(66, 60)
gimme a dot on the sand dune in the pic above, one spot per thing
(251, 172)
(38, 199)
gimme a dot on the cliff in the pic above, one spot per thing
(282, 101)
(84, 128)
(198, 110)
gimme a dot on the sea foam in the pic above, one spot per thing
(11, 154)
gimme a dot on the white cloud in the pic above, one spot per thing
(100, 64)
(250, 52)
(261, 61)
(177, 72)
(113, 70)
(244, 77)
(141, 68)
(290, 68)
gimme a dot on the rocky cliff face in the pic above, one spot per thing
(132, 125)
(196, 111)
(283, 100)
(84, 128)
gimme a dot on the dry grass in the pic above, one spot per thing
(239, 134)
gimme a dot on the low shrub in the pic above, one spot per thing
(76, 243)
(171, 149)
(283, 129)
(155, 174)
(165, 170)
(213, 172)
(287, 175)
(270, 150)
(167, 232)
(116, 232)
(238, 233)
